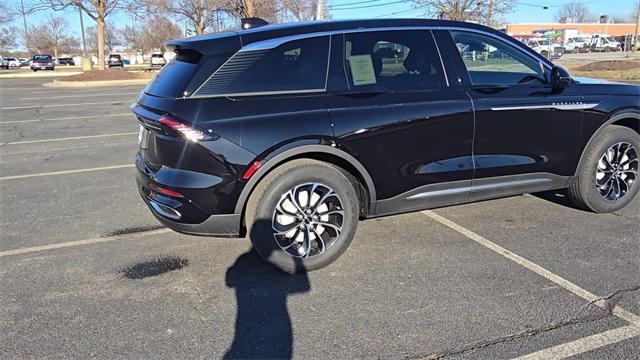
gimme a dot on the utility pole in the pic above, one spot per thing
(635, 36)
(320, 10)
(490, 7)
(24, 23)
(84, 41)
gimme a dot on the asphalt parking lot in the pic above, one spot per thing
(86, 271)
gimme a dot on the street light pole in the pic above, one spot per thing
(84, 42)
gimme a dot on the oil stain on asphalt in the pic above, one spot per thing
(154, 267)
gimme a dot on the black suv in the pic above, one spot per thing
(290, 134)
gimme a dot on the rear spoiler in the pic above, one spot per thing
(193, 48)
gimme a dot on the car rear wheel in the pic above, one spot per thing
(302, 216)
(608, 173)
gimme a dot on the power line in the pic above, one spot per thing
(371, 6)
(351, 3)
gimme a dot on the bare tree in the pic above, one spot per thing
(8, 36)
(266, 9)
(300, 10)
(574, 13)
(157, 31)
(97, 10)
(202, 14)
(483, 11)
(51, 36)
(6, 13)
(112, 38)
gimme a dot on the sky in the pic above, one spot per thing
(525, 11)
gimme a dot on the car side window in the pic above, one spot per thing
(293, 66)
(491, 62)
(392, 61)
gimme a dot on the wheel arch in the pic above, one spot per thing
(325, 153)
(627, 118)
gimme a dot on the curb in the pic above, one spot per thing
(87, 84)
(39, 75)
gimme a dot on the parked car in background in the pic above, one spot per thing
(577, 44)
(545, 48)
(4, 64)
(42, 62)
(66, 61)
(126, 62)
(604, 43)
(291, 134)
(157, 60)
(13, 62)
(115, 60)
(24, 62)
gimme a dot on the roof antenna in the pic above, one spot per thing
(252, 22)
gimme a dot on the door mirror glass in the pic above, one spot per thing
(560, 78)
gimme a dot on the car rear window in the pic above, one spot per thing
(42, 58)
(293, 66)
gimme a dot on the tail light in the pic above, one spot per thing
(185, 131)
(165, 191)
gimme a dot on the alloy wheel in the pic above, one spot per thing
(617, 171)
(308, 220)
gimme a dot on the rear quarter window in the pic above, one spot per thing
(294, 66)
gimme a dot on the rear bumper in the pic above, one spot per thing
(181, 214)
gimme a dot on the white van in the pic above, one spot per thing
(577, 44)
(604, 42)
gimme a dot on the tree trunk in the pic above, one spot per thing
(199, 25)
(249, 8)
(100, 28)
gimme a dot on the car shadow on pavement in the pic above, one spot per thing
(559, 197)
(263, 325)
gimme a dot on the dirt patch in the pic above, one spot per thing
(106, 75)
(609, 65)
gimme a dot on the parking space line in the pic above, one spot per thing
(566, 284)
(81, 95)
(15, 177)
(81, 242)
(66, 118)
(60, 105)
(585, 344)
(68, 138)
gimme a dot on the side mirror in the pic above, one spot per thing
(560, 78)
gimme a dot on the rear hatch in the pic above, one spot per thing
(170, 134)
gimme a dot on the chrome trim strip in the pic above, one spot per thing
(556, 106)
(165, 210)
(444, 69)
(474, 188)
(275, 42)
(259, 93)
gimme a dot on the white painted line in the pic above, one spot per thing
(566, 284)
(80, 242)
(73, 96)
(66, 118)
(69, 138)
(585, 344)
(14, 177)
(60, 105)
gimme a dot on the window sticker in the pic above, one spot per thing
(362, 70)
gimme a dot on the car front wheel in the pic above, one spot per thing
(303, 215)
(608, 172)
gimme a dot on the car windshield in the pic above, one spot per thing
(543, 42)
(42, 58)
(156, 55)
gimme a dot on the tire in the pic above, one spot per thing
(263, 215)
(545, 54)
(584, 191)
